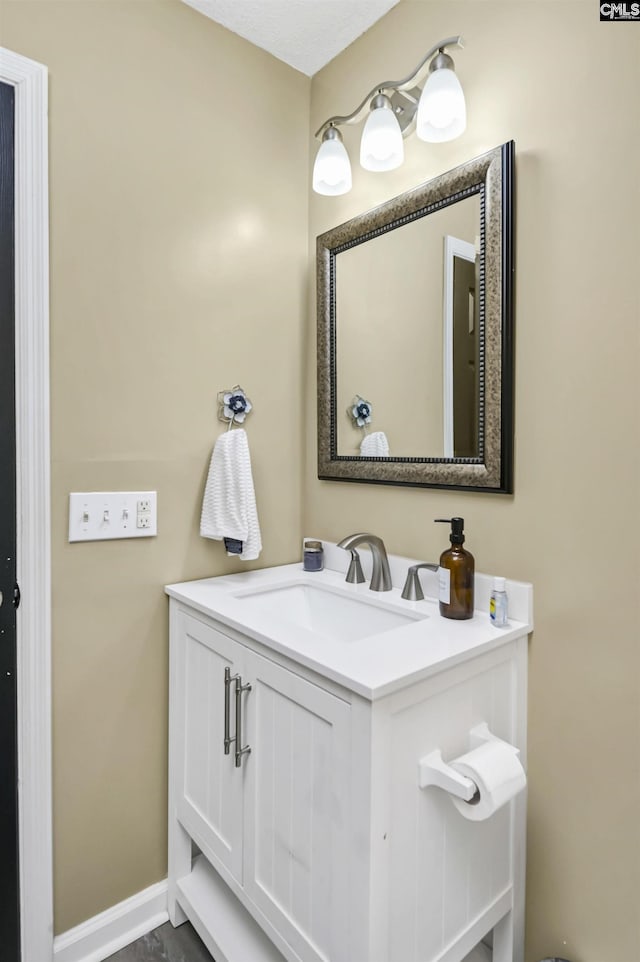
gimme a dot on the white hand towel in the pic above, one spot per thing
(229, 504)
(375, 445)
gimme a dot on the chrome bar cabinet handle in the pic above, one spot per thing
(228, 678)
(240, 751)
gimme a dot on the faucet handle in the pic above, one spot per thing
(412, 590)
(355, 574)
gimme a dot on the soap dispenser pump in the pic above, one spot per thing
(456, 574)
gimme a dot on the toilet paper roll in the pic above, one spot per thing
(496, 770)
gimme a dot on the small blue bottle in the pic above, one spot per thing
(313, 556)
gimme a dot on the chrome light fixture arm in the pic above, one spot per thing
(408, 84)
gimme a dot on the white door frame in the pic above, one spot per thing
(453, 247)
(29, 80)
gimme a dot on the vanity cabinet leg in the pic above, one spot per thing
(504, 948)
(179, 866)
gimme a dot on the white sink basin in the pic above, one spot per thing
(327, 611)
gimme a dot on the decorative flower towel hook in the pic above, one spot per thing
(233, 406)
(360, 412)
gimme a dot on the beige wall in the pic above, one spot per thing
(178, 268)
(564, 87)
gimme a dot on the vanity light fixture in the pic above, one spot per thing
(381, 147)
(394, 109)
(332, 170)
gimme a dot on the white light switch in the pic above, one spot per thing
(103, 515)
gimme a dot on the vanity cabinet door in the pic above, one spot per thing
(209, 796)
(297, 810)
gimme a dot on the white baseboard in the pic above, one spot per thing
(99, 937)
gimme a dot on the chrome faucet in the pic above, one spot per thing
(381, 576)
(412, 590)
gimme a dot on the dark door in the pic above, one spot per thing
(465, 359)
(9, 887)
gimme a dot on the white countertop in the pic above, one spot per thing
(372, 666)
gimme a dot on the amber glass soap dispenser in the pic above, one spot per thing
(456, 574)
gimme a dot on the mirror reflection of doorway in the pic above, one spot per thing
(461, 349)
(465, 360)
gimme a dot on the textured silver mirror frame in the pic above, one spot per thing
(491, 176)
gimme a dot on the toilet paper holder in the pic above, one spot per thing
(433, 770)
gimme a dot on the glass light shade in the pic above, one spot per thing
(332, 169)
(381, 147)
(442, 114)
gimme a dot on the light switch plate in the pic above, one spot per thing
(104, 515)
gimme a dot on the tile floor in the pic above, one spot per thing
(165, 944)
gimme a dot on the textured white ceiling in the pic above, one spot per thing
(306, 34)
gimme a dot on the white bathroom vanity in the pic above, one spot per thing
(300, 710)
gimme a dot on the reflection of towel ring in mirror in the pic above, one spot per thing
(360, 412)
(233, 406)
(373, 445)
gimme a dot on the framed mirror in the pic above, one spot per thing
(415, 335)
